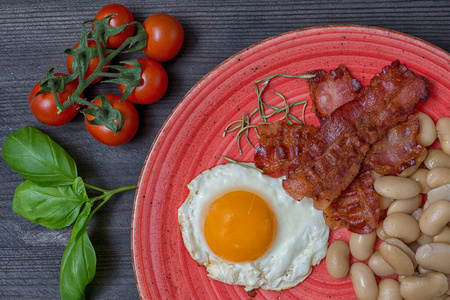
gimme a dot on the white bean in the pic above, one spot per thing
(443, 237)
(443, 133)
(426, 286)
(417, 213)
(434, 218)
(399, 260)
(384, 202)
(420, 176)
(379, 266)
(438, 176)
(337, 259)
(402, 226)
(396, 187)
(406, 206)
(380, 232)
(364, 282)
(424, 239)
(427, 133)
(389, 289)
(361, 245)
(439, 193)
(434, 256)
(410, 170)
(437, 158)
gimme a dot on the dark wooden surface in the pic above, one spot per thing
(33, 36)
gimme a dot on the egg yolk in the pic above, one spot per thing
(240, 227)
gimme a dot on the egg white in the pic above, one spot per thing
(301, 241)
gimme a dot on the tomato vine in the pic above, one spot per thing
(105, 115)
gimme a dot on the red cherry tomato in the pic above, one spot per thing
(165, 35)
(120, 16)
(129, 128)
(93, 63)
(154, 83)
(43, 106)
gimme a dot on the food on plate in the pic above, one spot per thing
(367, 146)
(350, 130)
(332, 163)
(424, 286)
(337, 260)
(329, 90)
(443, 133)
(282, 147)
(361, 245)
(385, 194)
(364, 282)
(415, 242)
(244, 228)
(356, 208)
(397, 150)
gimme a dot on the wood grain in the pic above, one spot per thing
(33, 37)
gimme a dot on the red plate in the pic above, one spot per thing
(192, 139)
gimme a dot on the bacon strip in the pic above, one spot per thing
(282, 147)
(397, 150)
(330, 90)
(356, 208)
(351, 129)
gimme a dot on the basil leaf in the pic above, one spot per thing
(52, 207)
(79, 261)
(80, 189)
(36, 157)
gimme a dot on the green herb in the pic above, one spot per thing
(245, 124)
(259, 92)
(53, 196)
(38, 158)
(129, 77)
(240, 164)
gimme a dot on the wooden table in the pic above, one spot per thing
(33, 37)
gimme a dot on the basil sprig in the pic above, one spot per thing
(53, 195)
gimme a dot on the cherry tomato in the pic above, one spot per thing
(93, 63)
(165, 36)
(129, 128)
(43, 106)
(120, 16)
(154, 83)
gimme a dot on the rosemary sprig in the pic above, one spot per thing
(244, 125)
(240, 164)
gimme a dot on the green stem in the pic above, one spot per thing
(107, 194)
(59, 106)
(95, 188)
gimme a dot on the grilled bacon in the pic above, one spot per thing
(356, 208)
(351, 129)
(367, 130)
(282, 148)
(397, 150)
(329, 90)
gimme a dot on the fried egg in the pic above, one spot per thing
(243, 227)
